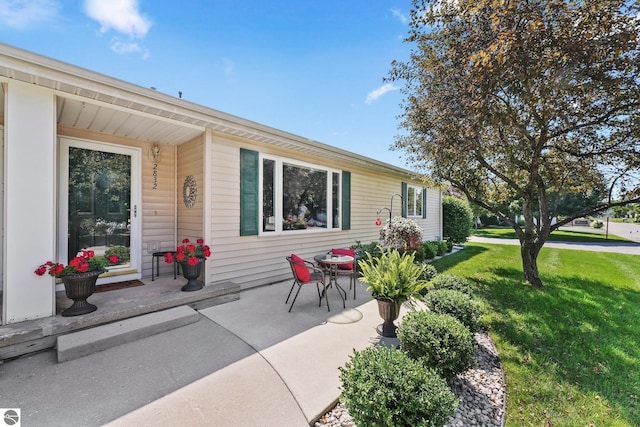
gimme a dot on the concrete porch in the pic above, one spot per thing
(164, 292)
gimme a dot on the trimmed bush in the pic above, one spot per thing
(456, 304)
(442, 247)
(449, 245)
(383, 387)
(439, 341)
(361, 250)
(449, 281)
(457, 219)
(430, 250)
(419, 253)
(429, 272)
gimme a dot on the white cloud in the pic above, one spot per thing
(122, 16)
(23, 13)
(401, 16)
(377, 93)
(124, 47)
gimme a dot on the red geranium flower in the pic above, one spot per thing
(189, 252)
(84, 262)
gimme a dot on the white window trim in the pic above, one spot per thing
(278, 212)
(416, 190)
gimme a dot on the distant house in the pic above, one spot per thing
(92, 161)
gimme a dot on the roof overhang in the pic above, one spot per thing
(92, 101)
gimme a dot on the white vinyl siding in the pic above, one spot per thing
(260, 259)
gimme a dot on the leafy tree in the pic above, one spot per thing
(525, 100)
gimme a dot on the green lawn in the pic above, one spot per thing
(556, 236)
(571, 351)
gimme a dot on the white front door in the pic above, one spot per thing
(99, 199)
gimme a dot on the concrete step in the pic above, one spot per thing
(31, 336)
(88, 341)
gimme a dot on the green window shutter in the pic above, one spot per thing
(249, 182)
(346, 200)
(424, 203)
(404, 199)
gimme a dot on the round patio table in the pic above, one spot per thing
(331, 263)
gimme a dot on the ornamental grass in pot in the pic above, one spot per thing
(394, 279)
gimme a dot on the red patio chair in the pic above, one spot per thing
(350, 269)
(305, 272)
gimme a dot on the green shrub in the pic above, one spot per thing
(597, 224)
(456, 304)
(457, 219)
(430, 250)
(419, 253)
(442, 247)
(123, 253)
(383, 387)
(449, 245)
(361, 250)
(441, 342)
(489, 220)
(429, 272)
(449, 281)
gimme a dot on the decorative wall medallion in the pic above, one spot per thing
(189, 191)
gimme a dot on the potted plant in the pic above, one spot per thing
(401, 233)
(393, 278)
(79, 278)
(191, 258)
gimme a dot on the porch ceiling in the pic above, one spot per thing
(79, 114)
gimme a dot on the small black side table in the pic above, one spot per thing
(155, 270)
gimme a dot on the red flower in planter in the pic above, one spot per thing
(87, 261)
(189, 252)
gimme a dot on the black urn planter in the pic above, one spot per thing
(79, 287)
(389, 311)
(191, 273)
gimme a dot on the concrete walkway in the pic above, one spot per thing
(290, 379)
(248, 362)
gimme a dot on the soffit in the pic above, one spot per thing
(98, 103)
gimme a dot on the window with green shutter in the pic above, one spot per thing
(291, 196)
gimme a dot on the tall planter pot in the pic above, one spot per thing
(389, 311)
(79, 287)
(191, 273)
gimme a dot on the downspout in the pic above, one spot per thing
(207, 214)
(175, 193)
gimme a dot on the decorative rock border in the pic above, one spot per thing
(481, 390)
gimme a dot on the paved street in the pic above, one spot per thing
(627, 230)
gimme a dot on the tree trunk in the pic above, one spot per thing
(529, 252)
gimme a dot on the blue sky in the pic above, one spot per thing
(312, 68)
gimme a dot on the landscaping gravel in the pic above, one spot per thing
(481, 390)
